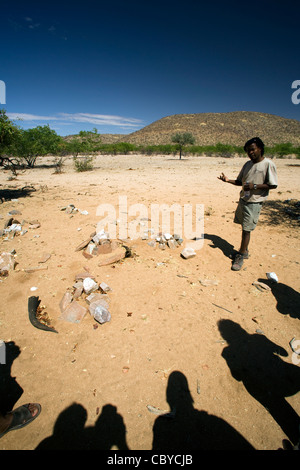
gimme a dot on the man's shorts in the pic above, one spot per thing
(247, 214)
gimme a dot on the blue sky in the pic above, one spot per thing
(118, 66)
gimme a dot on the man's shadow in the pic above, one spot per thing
(254, 360)
(186, 428)
(10, 390)
(223, 245)
(70, 433)
(288, 299)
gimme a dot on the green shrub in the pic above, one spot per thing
(83, 163)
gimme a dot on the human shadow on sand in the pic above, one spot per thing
(10, 390)
(288, 299)
(9, 193)
(254, 360)
(187, 428)
(70, 433)
(221, 244)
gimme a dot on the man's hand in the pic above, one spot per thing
(248, 186)
(224, 178)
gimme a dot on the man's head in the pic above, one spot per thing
(255, 140)
(255, 148)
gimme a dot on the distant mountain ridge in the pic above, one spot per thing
(233, 128)
(228, 128)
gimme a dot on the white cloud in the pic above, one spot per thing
(96, 119)
(29, 117)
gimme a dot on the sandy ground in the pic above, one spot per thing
(219, 354)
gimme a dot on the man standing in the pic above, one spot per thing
(256, 177)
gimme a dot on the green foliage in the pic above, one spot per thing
(283, 149)
(37, 142)
(183, 139)
(9, 132)
(83, 163)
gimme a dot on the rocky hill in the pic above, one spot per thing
(104, 138)
(228, 128)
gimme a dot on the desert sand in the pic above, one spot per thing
(186, 335)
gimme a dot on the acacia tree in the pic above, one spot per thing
(183, 139)
(36, 142)
(9, 132)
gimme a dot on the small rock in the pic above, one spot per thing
(7, 263)
(45, 258)
(208, 282)
(89, 285)
(74, 313)
(104, 287)
(172, 244)
(167, 236)
(97, 296)
(69, 209)
(99, 312)
(188, 253)
(65, 301)
(14, 212)
(272, 277)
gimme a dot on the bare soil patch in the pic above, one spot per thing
(189, 334)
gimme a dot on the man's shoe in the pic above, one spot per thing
(238, 262)
(245, 255)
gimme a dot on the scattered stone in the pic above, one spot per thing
(188, 253)
(83, 244)
(78, 290)
(104, 287)
(208, 282)
(99, 311)
(261, 286)
(7, 263)
(74, 313)
(8, 222)
(272, 277)
(172, 244)
(89, 285)
(70, 208)
(97, 296)
(45, 258)
(88, 289)
(14, 227)
(113, 259)
(65, 301)
(14, 212)
(35, 268)
(162, 246)
(259, 331)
